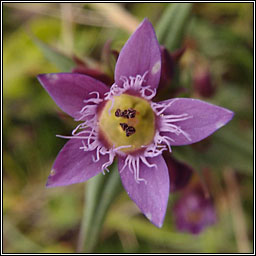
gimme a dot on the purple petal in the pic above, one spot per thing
(69, 90)
(141, 53)
(200, 119)
(74, 165)
(151, 198)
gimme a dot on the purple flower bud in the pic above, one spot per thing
(203, 83)
(169, 64)
(180, 173)
(94, 73)
(82, 68)
(115, 53)
(167, 70)
(194, 212)
(177, 54)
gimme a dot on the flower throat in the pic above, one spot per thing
(127, 122)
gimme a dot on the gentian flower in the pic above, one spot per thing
(124, 122)
(194, 212)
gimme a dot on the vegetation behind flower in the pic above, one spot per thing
(39, 220)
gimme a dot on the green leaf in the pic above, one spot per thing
(158, 236)
(100, 193)
(92, 196)
(228, 147)
(171, 27)
(20, 242)
(64, 63)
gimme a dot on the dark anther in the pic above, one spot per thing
(131, 113)
(124, 126)
(125, 114)
(130, 130)
(118, 112)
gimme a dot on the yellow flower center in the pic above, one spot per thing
(127, 122)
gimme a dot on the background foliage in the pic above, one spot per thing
(218, 36)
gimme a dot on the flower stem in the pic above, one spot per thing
(99, 193)
(92, 193)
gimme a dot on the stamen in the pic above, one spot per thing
(131, 113)
(127, 113)
(124, 114)
(124, 126)
(118, 112)
(130, 130)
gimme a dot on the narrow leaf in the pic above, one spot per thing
(227, 148)
(93, 192)
(111, 190)
(171, 27)
(99, 193)
(61, 61)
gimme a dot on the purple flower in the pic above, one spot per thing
(194, 212)
(124, 122)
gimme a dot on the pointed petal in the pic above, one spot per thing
(151, 198)
(141, 53)
(69, 90)
(200, 119)
(74, 165)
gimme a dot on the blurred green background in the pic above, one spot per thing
(218, 36)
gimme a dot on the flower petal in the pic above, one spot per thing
(195, 120)
(74, 165)
(141, 53)
(69, 90)
(150, 197)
